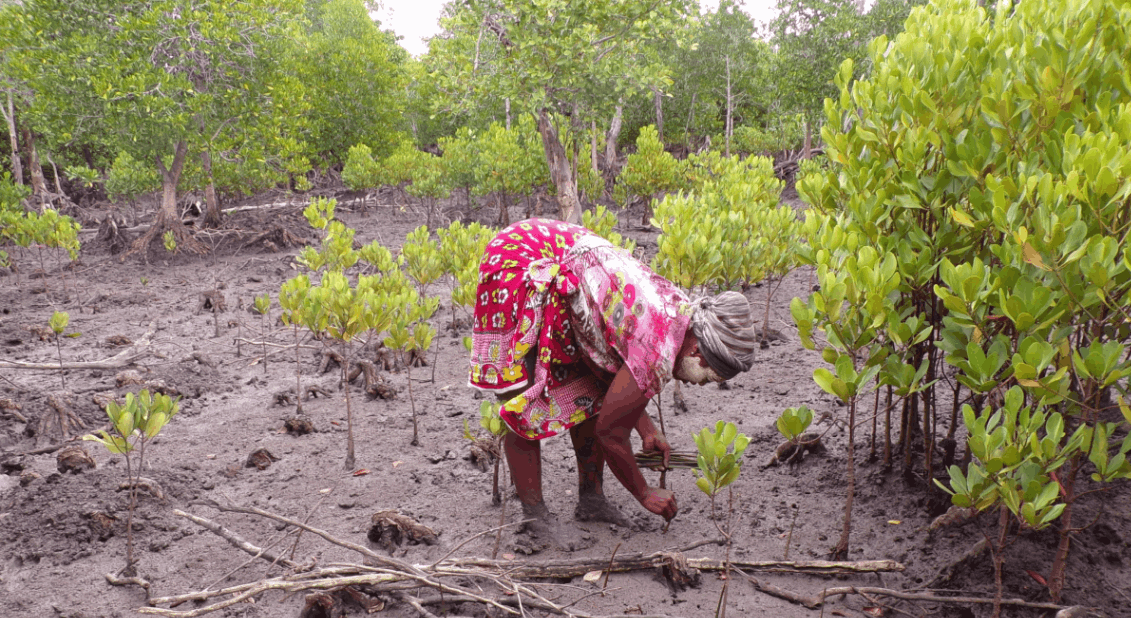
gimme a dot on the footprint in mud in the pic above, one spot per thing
(547, 532)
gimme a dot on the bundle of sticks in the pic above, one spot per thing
(653, 460)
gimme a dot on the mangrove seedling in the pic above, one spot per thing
(134, 425)
(410, 332)
(263, 306)
(58, 324)
(720, 461)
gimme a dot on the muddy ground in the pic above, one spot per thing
(60, 533)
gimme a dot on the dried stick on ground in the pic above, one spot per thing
(126, 357)
(390, 575)
(575, 568)
(815, 602)
(235, 539)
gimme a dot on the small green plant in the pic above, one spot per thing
(602, 222)
(263, 306)
(720, 461)
(410, 332)
(361, 171)
(58, 323)
(490, 420)
(429, 183)
(134, 425)
(794, 421)
(647, 172)
(508, 164)
(344, 312)
(170, 241)
(460, 250)
(292, 299)
(43, 231)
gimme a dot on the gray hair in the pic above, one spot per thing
(724, 327)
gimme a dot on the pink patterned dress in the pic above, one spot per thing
(585, 307)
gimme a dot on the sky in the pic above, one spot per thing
(417, 20)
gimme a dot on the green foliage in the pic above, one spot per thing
(84, 175)
(337, 253)
(46, 230)
(784, 134)
(11, 194)
(730, 230)
(602, 222)
(422, 258)
(461, 156)
(461, 248)
(490, 420)
(648, 171)
(590, 182)
(1017, 450)
(169, 241)
(361, 171)
(996, 183)
(136, 422)
(794, 421)
(263, 304)
(58, 322)
(133, 425)
(401, 165)
(357, 74)
(129, 84)
(292, 297)
(509, 163)
(319, 212)
(720, 456)
(129, 178)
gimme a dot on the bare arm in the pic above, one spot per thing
(623, 407)
(653, 439)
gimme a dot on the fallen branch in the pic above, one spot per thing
(815, 602)
(235, 539)
(578, 567)
(512, 602)
(124, 358)
(387, 575)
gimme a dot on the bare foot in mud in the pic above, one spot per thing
(543, 531)
(595, 507)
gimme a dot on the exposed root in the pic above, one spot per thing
(792, 452)
(390, 530)
(62, 420)
(149, 485)
(181, 234)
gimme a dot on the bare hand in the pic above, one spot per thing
(660, 502)
(657, 442)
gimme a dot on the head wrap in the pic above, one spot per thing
(725, 329)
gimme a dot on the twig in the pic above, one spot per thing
(395, 568)
(437, 599)
(119, 360)
(364, 551)
(310, 513)
(609, 571)
(789, 538)
(817, 601)
(235, 539)
(473, 537)
(407, 598)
